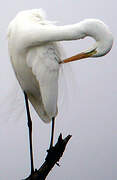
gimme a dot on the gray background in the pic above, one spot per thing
(88, 110)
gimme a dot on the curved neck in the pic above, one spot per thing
(37, 34)
(89, 27)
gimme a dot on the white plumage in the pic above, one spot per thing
(35, 54)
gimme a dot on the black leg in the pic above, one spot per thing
(52, 132)
(30, 132)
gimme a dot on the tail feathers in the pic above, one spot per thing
(39, 108)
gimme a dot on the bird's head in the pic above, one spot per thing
(102, 36)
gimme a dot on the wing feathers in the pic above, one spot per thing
(44, 63)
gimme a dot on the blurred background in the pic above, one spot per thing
(87, 105)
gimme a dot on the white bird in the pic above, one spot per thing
(36, 58)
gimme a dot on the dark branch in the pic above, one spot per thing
(52, 158)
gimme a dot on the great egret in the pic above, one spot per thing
(35, 57)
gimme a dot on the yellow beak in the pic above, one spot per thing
(79, 56)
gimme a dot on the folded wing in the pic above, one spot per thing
(43, 61)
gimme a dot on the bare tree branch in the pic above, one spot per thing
(52, 158)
